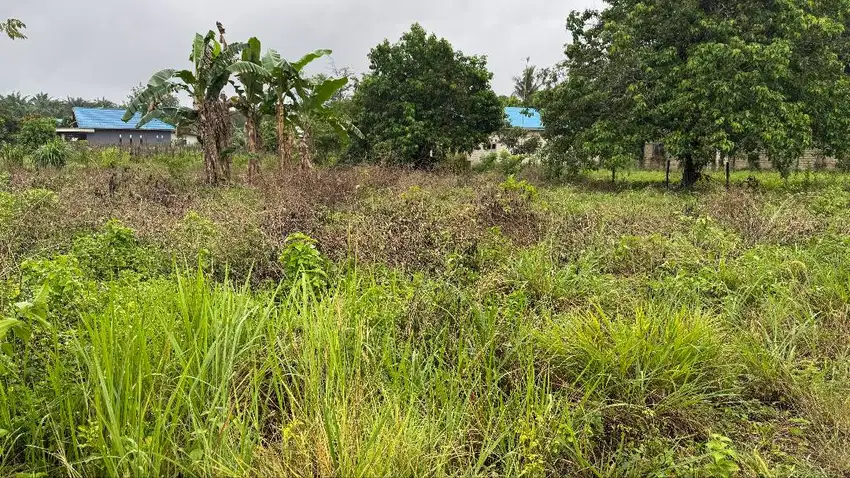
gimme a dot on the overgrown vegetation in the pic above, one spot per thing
(182, 314)
(372, 321)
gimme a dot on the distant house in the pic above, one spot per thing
(104, 127)
(655, 157)
(526, 119)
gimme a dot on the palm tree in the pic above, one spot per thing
(209, 114)
(529, 83)
(43, 105)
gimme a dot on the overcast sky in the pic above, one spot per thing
(101, 48)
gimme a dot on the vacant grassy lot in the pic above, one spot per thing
(438, 325)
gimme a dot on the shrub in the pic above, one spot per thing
(301, 259)
(530, 145)
(510, 207)
(458, 163)
(111, 251)
(114, 157)
(487, 163)
(12, 155)
(36, 132)
(53, 154)
(522, 189)
(503, 162)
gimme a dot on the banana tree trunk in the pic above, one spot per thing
(284, 142)
(304, 151)
(252, 133)
(223, 132)
(209, 142)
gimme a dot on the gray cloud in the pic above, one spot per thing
(96, 48)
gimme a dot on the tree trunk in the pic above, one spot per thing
(690, 172)
(284, 143)
(304, 152)
(252, 134)
(223, 132)
(207, 138)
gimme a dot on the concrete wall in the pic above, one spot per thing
(496, 146)
(114, 137)
(812, 160)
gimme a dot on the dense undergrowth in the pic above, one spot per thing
(377, 322)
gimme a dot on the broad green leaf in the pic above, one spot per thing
(248, 68)
(309, 58)
(160, 77)
(271, 60)
(254, 51)
(23, 332)
(197, 50)
(6, 325)
(186, 76)
(324, 91)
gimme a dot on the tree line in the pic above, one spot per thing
(739, 79)
(704, 78)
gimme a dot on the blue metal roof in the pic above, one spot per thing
(102, 118)
(525, 118)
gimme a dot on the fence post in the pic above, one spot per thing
(667, 180)
(728, 167)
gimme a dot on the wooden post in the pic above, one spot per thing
(728, 167)
(667, 181)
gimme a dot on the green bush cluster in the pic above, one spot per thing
(503, 162)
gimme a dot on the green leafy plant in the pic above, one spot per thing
(53, 154)
(111, 251)
(301, 259)
(523, 188)
(504, 162)
(36, 132)
(12, 155)
(114, 157)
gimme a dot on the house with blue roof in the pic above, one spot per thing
(104, 127)
(526, 119)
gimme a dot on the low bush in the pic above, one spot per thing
(53, 154)
(12, 155)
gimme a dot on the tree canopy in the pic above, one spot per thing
(14, 107)
(530, 83)
(422, 100)
(702, 77)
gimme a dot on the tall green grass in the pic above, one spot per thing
(641, 333)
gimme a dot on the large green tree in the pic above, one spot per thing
(702, 77)
(422, 100)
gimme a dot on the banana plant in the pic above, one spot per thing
(251, 98)
(209, 114)
(312, 109)
(287, 89)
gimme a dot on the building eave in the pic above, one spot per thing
(74, 130)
